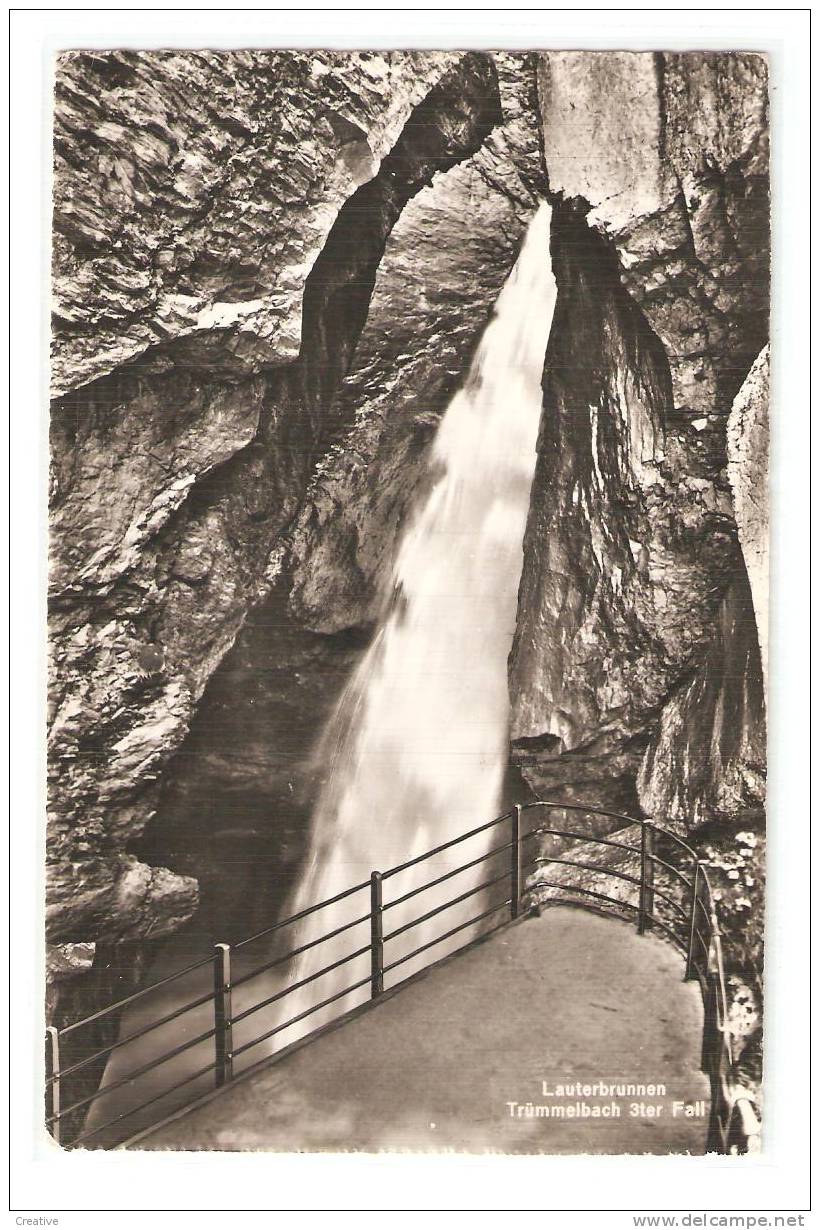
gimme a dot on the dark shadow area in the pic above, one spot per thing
(235, 808)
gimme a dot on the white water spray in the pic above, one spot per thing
(418, 745)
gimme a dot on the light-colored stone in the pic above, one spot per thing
(706, 759)
(747, 443)
(193, 192)
(443, 268)
(658, 164)
(250, 748)
(602, 133)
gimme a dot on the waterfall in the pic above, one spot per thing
(418, 745)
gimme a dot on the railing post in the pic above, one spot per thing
(223, 1023)
(53, 1088)
(649, 879)
(515, 862)
(647, 899)
(376, 936)
(711, 1027)
(690, 951)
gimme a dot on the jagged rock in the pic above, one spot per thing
(657, 163)
(445, 264)
(670, 151)
(193, 192)
(707, 759)
(748, 451)
(270, 271)
(249, 751)
(176, 471)
(622, 551)
(64, 961)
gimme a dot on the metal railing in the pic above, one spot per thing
(672, 891)
(668, 872)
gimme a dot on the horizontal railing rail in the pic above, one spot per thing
(692, 925)
(653, 868)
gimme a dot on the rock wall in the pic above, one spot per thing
(444, 266)
(186, 427)
(194, 191)
(706, 760)
(178, 466)
(748, 467)
(658, 167)
(636, 675)
(270, 271)
(243, 782)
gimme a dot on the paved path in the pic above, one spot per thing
(563, 998)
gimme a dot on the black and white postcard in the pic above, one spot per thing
(408, 601)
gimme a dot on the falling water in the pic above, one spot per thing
(416, 751)
(418, 745)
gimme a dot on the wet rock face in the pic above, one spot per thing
(236, 800)
(671, 153)
(193, 192)
(271, 271)
(658, 166)
(748, 454)
(177, 470)
(242, 785)
(444, 266)
(621, 552)
(706, 762)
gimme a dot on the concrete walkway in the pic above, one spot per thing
(563, 999)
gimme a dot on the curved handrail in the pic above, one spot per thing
(733, 1123)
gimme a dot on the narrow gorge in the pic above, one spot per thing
(272, 275)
